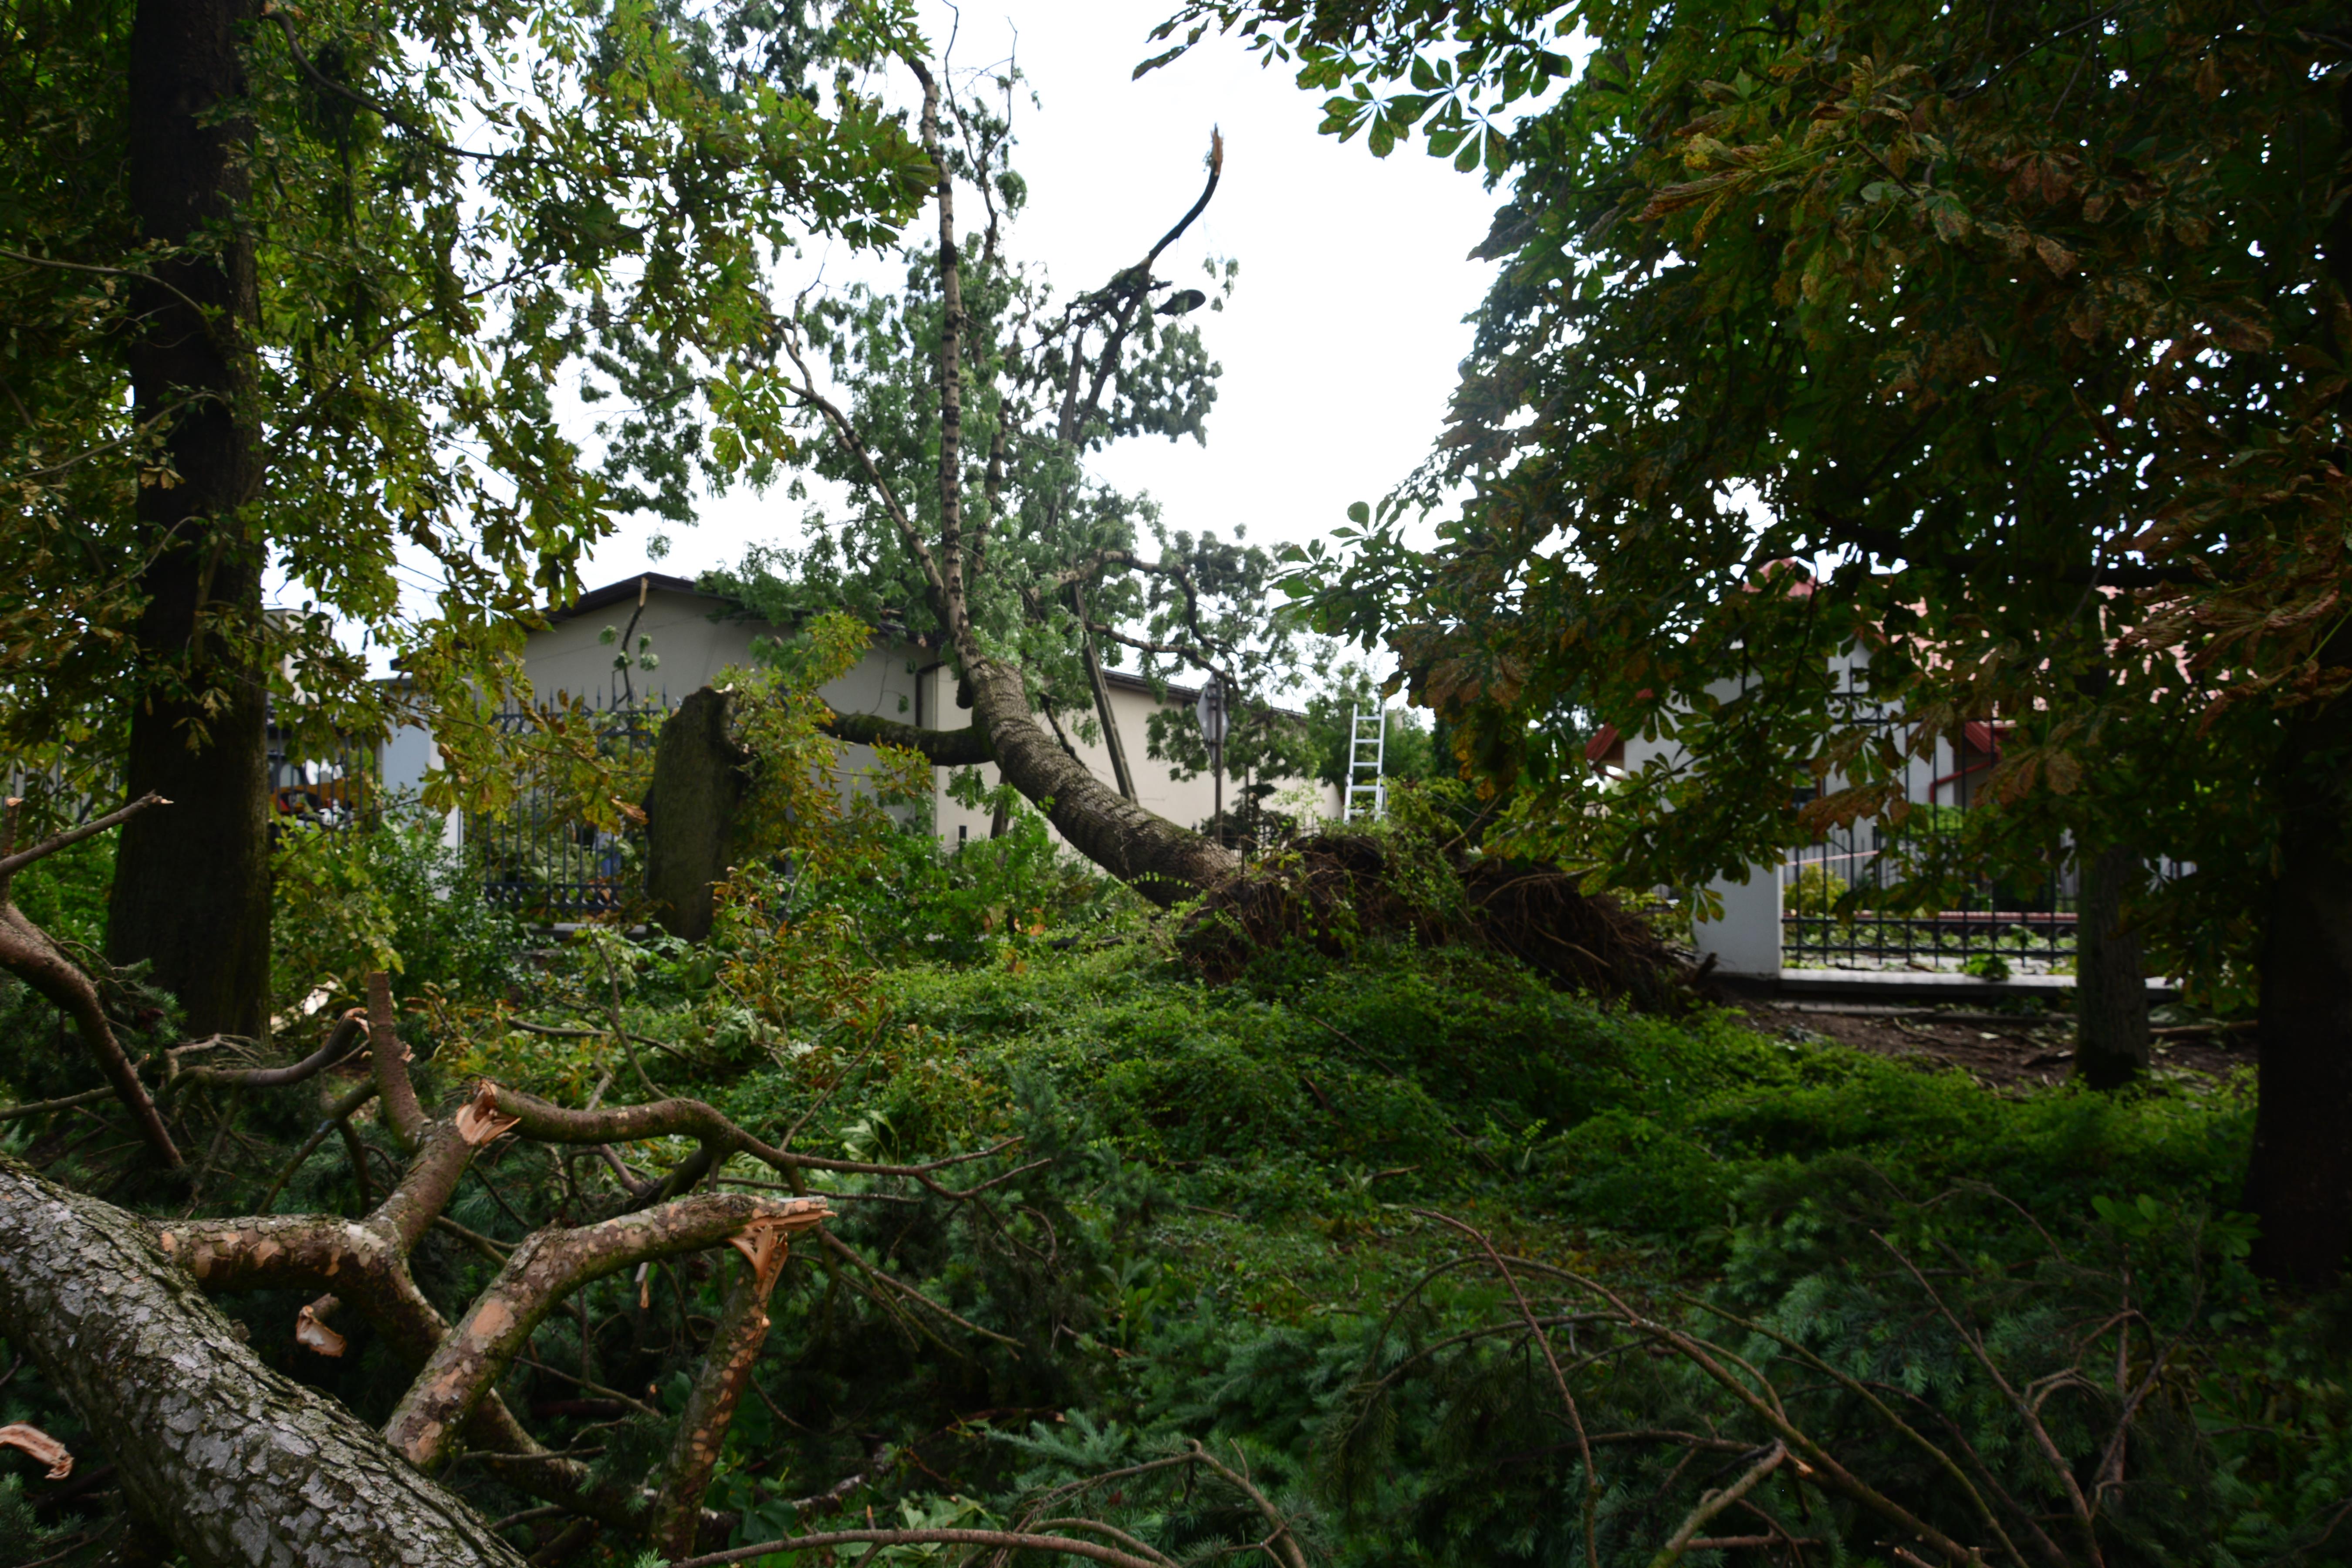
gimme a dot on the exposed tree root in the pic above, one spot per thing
(1333, 889)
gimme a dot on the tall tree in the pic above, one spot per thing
(268, 314)
(960, 412)
(195, 904)
(2023, 327)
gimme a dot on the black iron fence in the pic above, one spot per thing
(1996, 929)
(1832, 891)
(330, 786)
(542, 860)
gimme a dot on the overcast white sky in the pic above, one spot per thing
(1340, 342)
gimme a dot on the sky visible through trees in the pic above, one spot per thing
(1341, 341)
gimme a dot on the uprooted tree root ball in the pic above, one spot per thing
(1333, 889)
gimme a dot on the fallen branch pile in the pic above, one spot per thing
(230, 1462)
(1333, 888)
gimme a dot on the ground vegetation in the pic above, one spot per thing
(1375, 1242)
(1989, 355)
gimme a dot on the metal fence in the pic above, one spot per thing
(2025, 927)
(331, 787)
(2022, 926)
(543, 862)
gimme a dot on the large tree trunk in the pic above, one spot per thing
(1160, 860)
(2110, 980)
(700, 778)
(234, 1463)
(2300, 1183)
(192, 892)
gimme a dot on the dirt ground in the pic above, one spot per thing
(2001, 1051)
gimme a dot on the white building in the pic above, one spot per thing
(1762, 933)
(695, 636)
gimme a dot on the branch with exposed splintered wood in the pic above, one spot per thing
(545, 1268)
(148, 1356)
(359, 1263)
(727, 1367)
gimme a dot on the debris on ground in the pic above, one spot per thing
(2003, 1050)
(1332, 890)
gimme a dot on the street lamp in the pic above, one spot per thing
(1210, 713)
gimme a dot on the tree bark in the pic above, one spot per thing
(2110, 977)
(1113, 741)
(700, 777)
(1163, 862)
(2299, 1181)
(236, 1464)
(545, 1268)
(192, 889)
(727, 1369)
(965, 748)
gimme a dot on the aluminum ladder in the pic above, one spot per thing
(1368, 753)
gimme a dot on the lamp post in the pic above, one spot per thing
(1210, 713)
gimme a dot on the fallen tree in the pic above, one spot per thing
(110, 1307)
(225, 1459)
(211, 1445)
(1022, 593)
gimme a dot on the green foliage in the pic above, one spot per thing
(387, 894)
(65, 894)
(1060, 573)
(1218, 1224)
(1410, 749)
(623, 172)
(1294, 1120)
(1899, 334)
(1815, 892)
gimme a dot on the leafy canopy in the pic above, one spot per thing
(2003, 344)
(454, 207)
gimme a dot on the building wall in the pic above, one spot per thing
(568, 661)
(1189, 803)
(896, 681)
